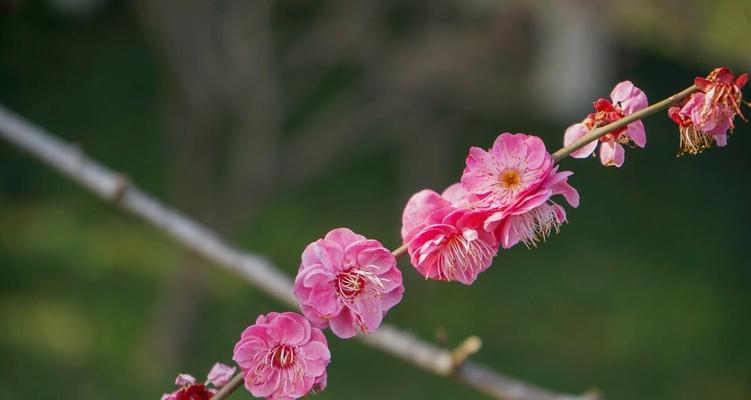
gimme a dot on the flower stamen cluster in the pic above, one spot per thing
(707, 116)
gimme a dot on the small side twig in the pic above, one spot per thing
(466, 348)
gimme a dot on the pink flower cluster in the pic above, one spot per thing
(504, 198)
(282, 357)
(189, 389)
(707, 115)
(625, 99)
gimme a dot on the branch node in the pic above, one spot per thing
(469, 346)
(121, 186)
(593, 394)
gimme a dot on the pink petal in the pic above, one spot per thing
(508, 231)
(265, 385)
(245, 352)
(418, 211)
(343, 236)
(630, 97)
(611, 154)
(326, 253)
(370, 311)
(343, 325)
(325, 301)
(573, 133)
(184, 380)
(479, 166)
(377, 260)
(290, 328)
(220, 374)
(622, 91)
(536, 153)
(456, 195)
(393, 297)
(493, 221)
(720, 140)
(539, 197)
(635, 132)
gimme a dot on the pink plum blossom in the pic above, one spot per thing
(513, 182)
(347, 282)
(190, 390)
(707, 116)
(282, 356)
(445, 242)
(625, 99)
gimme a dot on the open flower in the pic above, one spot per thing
(347, 282)
(533, 217)
(625, 99)
(445, 242)
(706, 116)
(219, 375)
(513, 182)
(281, 356)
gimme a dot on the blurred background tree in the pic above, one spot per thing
(274, 122)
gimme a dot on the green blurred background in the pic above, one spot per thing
(274, 122)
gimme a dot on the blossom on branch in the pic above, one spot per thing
(625, 99)
(513, 182)
(282, 356)
(707, 116)
(446, 242)
(190, 390)
(347, 282)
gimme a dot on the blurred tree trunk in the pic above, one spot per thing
(573, 57)
(223, 124)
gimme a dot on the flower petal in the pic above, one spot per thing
(573, 133)
(611, 154)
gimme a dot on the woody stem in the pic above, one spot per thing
(230, 387)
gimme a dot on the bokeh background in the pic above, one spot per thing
(276, 121)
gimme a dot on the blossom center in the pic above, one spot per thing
(350, 284)
(193, 392)
(462, 251)
(283, 356)
(510, 178)
(606, 113)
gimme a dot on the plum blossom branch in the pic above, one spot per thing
(230, 387)
(597, 133)
(113, 187)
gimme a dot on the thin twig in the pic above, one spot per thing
(111, 187)
(229, 388)
(399, 250)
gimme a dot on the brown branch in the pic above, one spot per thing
(229, 388)
(110, 186)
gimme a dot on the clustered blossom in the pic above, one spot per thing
(282, 357)
(625, 99)
(504, 198)
(707, 115)
(514, 181)
(446, 242)
(347, 282)
(219, 375)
